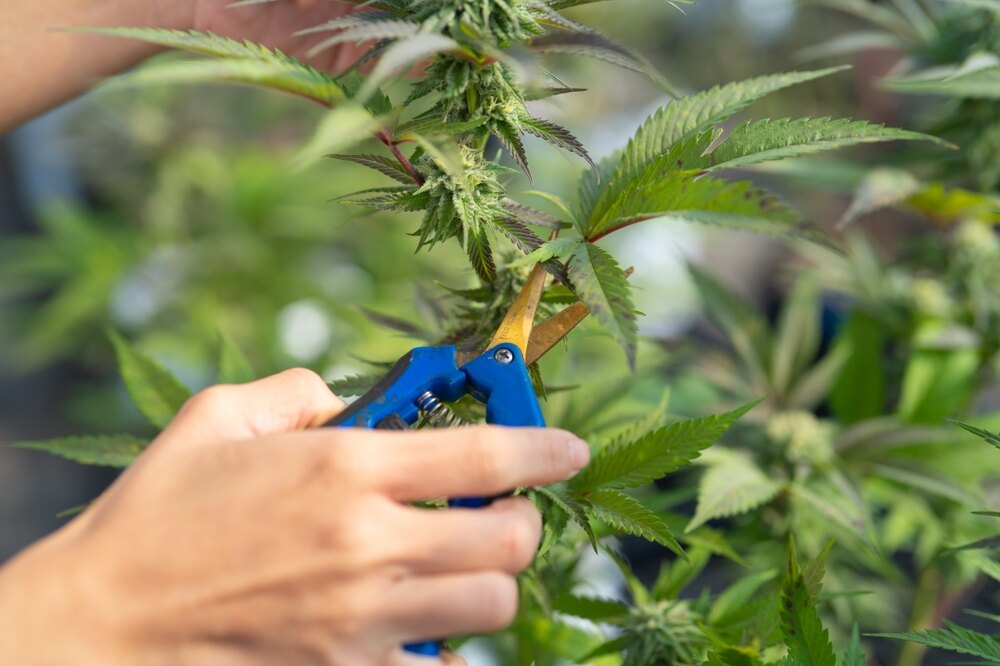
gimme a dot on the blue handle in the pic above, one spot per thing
(497, 378)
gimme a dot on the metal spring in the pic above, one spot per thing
(437, 414)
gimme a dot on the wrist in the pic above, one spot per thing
(46, 617)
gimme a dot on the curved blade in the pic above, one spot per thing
(545, 336)
(517, 324)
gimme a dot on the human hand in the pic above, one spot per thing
(241, 538)
(275, 24)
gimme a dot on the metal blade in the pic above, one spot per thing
(546, 334)
(516, 326)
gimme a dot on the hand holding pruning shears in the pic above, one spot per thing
(498, 376)
(244, 535)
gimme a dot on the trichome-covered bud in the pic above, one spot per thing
(805, 438)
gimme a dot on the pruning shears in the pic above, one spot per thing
(426, 377)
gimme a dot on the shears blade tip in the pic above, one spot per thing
(516, 327)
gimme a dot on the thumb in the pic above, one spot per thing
(291, 400)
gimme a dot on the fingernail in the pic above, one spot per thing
(579, 453)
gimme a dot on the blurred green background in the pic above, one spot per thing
(173, 217)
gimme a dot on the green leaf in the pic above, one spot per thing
(202, 43)
(433, 125)
(744, 327)
(859, 392)
(558, 136)
(350, 20)
(698, 112)
(530, 215)
(241, 62)
(880, 189)
(767, 140)
(630, 464)
(403, 54)
(592, 44)
(615, 646)
(798, 335)
(955, 638)
(104, 450)
(155, 392)
(851, 43)
(279, 76)
(557, 248)
(883, 16)
(815, 384)
(518, 233)
(734, 486)
(554, 522)
(480, 253)
(342, 128)
(737, 596)
(937, 382)
(698, 199)
(814, 571)
(234, 367)
(602, 286)
(731, 657)
(573, 509)
(362, 30)
(977, 84)
(992, 438)
(674, 576)
(926, 481)
(627, 515)
(353, 385)
(853, 655)
(511, 140)
(386, 166)
(590, 608)
(805, 637)
(838, 503)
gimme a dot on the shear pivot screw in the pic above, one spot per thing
(503, 356)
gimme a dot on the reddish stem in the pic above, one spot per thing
(401, 158)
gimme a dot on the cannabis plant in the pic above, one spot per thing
(949, 51)
(850, 445)
(442, 93)
(953, 637)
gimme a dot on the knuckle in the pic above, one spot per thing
(498, 594)
(353, 543)
(519, 540)
(213, 400)
(305, 378)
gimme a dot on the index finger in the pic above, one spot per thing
(473, 461)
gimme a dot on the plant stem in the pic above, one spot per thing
(401, 158)
(912, 654)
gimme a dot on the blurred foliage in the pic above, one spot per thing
(200, 241)
(949, 54)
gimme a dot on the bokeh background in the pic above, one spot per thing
(173, 217)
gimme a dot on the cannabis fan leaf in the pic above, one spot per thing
(632, 464)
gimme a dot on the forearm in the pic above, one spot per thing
(42, 618)
(42, 66)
